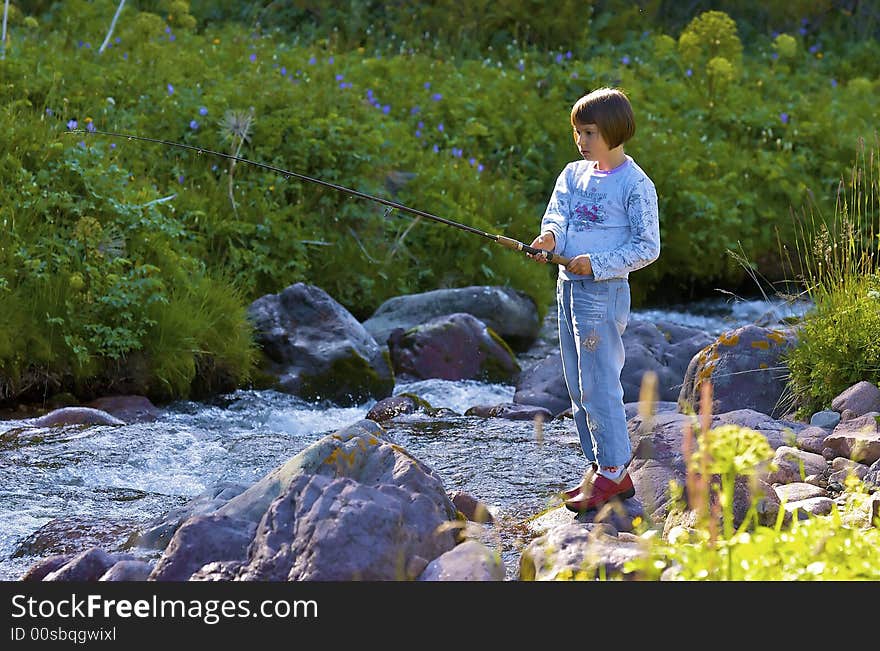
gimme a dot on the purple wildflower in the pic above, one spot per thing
(624, 60)
(82, 143)
(167, 29)
(253, 57)
(480, 167)
(689, 72)
(71, 124)
(814, 49)
(436, 149)
(427, 85)
(340, 77)
(418, 133)
(783, 117)
(180, 179)
(386, 109)
(774, 56)
(112, 145)
(193, 125)
(558, 58)
(203, 110)
(420, 125)
(330, 60)
(125, 56)
(118, 40)
(49, 112)
(472, 161)
(436, 97)
(802, 31)
(521, 66)
(283, 71)
(311, 61)
(90, 127)
(172, 37)
(440, 127)
(170, 89)
(568, 54)
(415, 109)
(834, 83)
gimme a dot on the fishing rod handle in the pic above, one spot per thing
(551, 257)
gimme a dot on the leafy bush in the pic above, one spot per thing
(469, 133)
(837, 261)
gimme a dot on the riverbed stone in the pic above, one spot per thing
(797, 491)
(88, 565)
(826, 419)
(75, 416)
(857, 438)
(130, 409)
(510, 411)
(73, 534)
(793, 465)
(44, 566)
(130, 570)
(571, 552)
(858, 400)
(357, 451)
(745, 369)
(510, 313)
(337, 529)
(200, 540)
(452, 347)
(468, 561)
(314, 348)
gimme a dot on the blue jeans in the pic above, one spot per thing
(592, 318)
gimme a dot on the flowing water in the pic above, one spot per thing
(96, 484)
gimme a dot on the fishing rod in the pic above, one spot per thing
(507, 242)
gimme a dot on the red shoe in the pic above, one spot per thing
(601, 491)
(586, 481)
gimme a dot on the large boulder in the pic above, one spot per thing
(314, 348)
(745, 369)
(337, 529)
(452, 347)
(510, 313)
(75, 416)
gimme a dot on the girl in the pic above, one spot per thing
(603, 215)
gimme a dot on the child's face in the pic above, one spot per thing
(590, 142)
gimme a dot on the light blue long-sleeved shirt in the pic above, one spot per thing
(611, 215)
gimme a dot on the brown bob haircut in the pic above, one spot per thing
(609, 109)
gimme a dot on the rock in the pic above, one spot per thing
(511, 314)
(130, 409)
(388, 408)
(314, 348)
(451, 347)
(88, 565)
(798, 491)
(337, 529)
(157, 533)
(857, 400)
(357, 452)
(857, 438)
(40, 569)
(543, 385)
(75, 416)
(803, 509)
(510, 411)
(825, 419)
(200, 540)
(469, 561)
(572, 552)
(794, 465)
(127, 571)
(74, 534)
(812, 439)
(744, 368)
(471, 508)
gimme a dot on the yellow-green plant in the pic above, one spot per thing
(832, 547)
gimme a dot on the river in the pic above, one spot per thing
(98, 483)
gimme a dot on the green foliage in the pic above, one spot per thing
(837, 261)
(460, 123)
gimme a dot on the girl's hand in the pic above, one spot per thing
(545, 242)
(580, 265)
